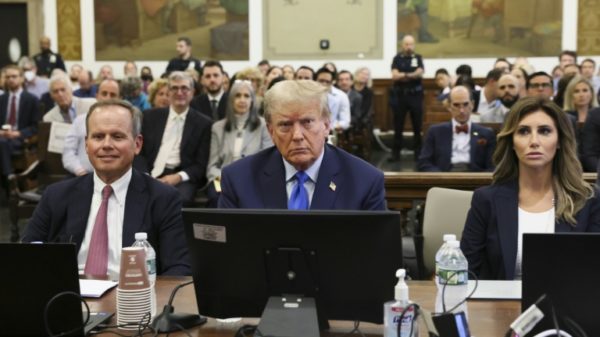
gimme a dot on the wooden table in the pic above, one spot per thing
(486, 318)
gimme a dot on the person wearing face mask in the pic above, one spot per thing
(47, 60)
(34, 84)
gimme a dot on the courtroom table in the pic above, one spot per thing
(486, 318)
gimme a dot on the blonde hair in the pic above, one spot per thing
(568, 98)
(295, 91)
(154, 87)
(571, 190)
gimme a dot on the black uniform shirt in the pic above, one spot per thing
(408, 64)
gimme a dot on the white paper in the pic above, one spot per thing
(95, 288)
(496, 290)
(58, 132)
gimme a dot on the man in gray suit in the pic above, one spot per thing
(67, 107)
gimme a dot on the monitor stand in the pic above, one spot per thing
(289, 316)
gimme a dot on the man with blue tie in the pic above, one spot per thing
(301, 171)
(458, 145)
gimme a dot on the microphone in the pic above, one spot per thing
(170, 321)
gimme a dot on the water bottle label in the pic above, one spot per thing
(151, 264)
(453, 277)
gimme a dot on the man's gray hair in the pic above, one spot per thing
(136, 114)
(299, 91)
(64, 78)
(181, 75)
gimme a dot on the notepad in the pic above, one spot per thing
(95, 288)
(496, 290)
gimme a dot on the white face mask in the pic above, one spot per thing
(29, 75)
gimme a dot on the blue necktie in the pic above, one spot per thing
(299, 196)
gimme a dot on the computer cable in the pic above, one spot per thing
(245, 330)
(444, 311)
(415, 307)
(355, 329)
(142, 326)
(47, 310)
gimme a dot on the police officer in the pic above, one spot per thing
(47, 60)
(407, 94)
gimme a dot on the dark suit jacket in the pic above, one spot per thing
(590, 141)
(28, 113)
(489, 239)
(195, 142)
(436, 153)
(202, 104)
(344, 182)
(150, 206)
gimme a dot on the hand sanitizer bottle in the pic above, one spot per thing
(392, 311)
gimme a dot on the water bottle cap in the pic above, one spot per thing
(141, 236)
(453, 244)
(449, 237)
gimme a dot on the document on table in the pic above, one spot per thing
(95, 288)
(496, 290)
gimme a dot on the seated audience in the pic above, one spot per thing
(213, 102)
(345, 83)
(87, 87)
(508, 94)
(579, 99)
(74, 73)
(101, 212)
(537, 188)
(105, 73)
(339, 104)
(487, 97)
(539, 84)
(588, 71)
(362, 85)
(443, 81)
(559, 98)
(67, 106)
(305, 73)
(131, 91)
(176, 140)
(301, 171)
(288, 72)
(590, 141)
(130, 69)
(34, 84)
(521, 75)
(158, 93)
(147, 78)
(241, 133)
(19, 115)
(74, 157)
(459, 145)
(503, 64)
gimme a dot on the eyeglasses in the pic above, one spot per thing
(183, 89)
(540, 85)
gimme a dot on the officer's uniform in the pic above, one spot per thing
(407, 96)
(48, 61)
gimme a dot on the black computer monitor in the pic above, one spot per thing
(346, 260)
(564, 267)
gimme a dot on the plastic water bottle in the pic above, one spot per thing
(141, 240)
(454, 272)
(438, 255)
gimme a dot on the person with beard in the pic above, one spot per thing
(47, 60)
(213, 102)
(508, 94)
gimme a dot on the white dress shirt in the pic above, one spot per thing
(542, 222)
(461, 144)
(174, 128)
(339, 105)
(312, 172)
(114, 220)
(74, 157)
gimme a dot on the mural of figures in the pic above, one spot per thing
(482, 28)
(148, 29)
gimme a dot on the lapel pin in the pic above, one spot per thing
(332, 186)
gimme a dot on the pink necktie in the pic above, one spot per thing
(12, 114)
(97, 259)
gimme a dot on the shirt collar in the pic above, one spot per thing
(455, 124)
(216, 97)
(312, 171)
(119, 186)
(173, 114)
(16, 93)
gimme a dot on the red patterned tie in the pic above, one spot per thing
(462, 128)
(12, 114)
(97, 259)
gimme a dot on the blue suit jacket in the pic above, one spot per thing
(436, 153)
(28, 113)
(344, 182)
(489, 239)
(150, 206)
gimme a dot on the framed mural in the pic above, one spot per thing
(482, 28)
(148, 29)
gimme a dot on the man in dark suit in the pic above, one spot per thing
(19, 115)
(177, 140)
(214, 101)
(301, 171)
(102, 211)
(458, 145)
